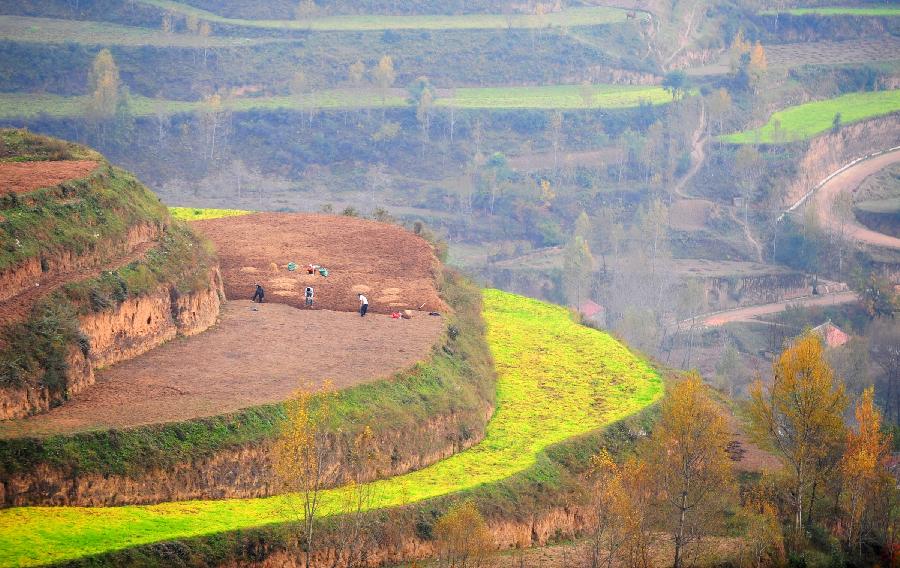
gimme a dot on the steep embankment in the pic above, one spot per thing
(556, 380)
(82, 259)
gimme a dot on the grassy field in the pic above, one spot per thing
(51, 30)
(807, 120)
(556, 380)
(25, 105)
(195, 214)
(572, 17)
(839, 11)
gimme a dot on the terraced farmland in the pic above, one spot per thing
(807, 120)
(556, 380)
(571, 17)
(876, 11)
(22, 105)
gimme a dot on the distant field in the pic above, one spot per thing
(838, 11)
(807, 120)
(571, 17)
(197, 214)
(51, 30)
(555, 380)
(25, 105)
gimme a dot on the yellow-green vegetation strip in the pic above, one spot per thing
(556, 97)
(54, 30)
(27, 105)
(804, 121)
(198, 214)
(570, 17)
(556, 380)
(838, 11)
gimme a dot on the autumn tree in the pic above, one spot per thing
(739, 47)
(103, 86)
(355, 536)
(885, 351)
(757, 65)
(719, 104)
(687, 453)
(800, 416)
(356, 73)
(863, 470)
(462, 538)
(299, 458)
(578, 265)
(385, 76)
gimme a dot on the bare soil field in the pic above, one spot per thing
(392, 267)
(22, 177)
(256, 354)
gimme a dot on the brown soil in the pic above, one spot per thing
(394, 268)
(21, 177)
(249, 358)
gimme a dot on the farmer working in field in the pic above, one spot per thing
(309, 296)
(259, 295)
(363, 305)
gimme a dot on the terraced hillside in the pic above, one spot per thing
(556, 380)
(84, 249)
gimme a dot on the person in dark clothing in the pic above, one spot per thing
(363, 305)
(259, 295)
(309, 296)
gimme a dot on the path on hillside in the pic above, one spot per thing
(748, 234)
(257, 354)
(849, 180)
(698, 156)
(749, 314)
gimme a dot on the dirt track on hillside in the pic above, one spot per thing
(249, 358)
(850, 180)
(21, 177)
(752, 312)
(394, 268)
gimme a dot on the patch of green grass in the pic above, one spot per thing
(53, 30)
(24, 105)
(19, 145)
(571, 17)
(882, 206)
(838, 11)
(198, 214)
(804, 121)
(556, 380)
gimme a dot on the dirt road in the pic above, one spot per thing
(249, 358)
(752, 312)
(850, 180)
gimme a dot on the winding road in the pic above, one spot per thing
(848, 180)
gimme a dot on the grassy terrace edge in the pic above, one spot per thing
(836, 11)
(26, 105)
(802, 122)
(572, 17)
(556, 380)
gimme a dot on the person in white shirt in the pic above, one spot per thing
(363, 305)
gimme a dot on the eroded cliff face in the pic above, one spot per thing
(247, 471)
(829, 152)
(124, 331)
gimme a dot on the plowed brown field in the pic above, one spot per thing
(392, 267)
(249, 358)
(21, 177)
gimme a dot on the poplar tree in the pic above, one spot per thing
(103, 86)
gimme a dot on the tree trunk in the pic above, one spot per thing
(679, 535)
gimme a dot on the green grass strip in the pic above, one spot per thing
(198, 214)
(571, 17)
(556, 380)
(838, 11)
(28, 105)
(804, 121)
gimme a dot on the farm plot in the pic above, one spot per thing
(571, 17)
(26, 105)
(807, 120)
(556, 380)
(21, 177)
(875, 11)
(394, 268)
(886, 48)
(250, 358)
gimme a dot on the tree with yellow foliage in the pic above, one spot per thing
(462, 539)
(739, 46)
(757, 66)
(687, 453)
(800, 416)
(385, 76)
(300, 454)
(103, 86)
(862, 468)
